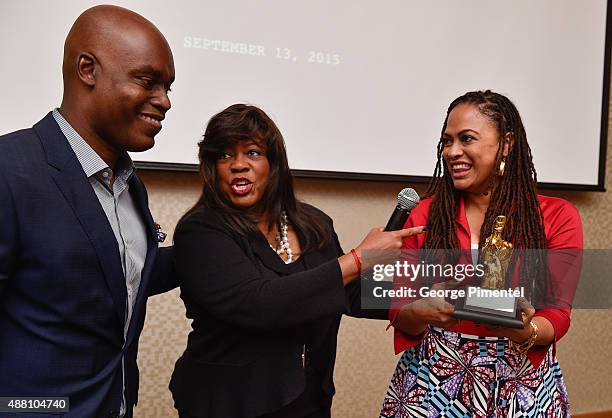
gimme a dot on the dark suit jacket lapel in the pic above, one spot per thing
(70, 179)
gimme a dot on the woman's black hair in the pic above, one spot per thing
(241, 122)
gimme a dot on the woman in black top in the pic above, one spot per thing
(264, 279)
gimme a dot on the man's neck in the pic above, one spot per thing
(108, 153)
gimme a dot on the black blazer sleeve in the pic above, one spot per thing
(7, 232)
(353, 295)
(164, 274)
(217, 274)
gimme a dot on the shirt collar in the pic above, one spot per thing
(91, 162)
(124, 167)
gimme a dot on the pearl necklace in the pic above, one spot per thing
(282, 238)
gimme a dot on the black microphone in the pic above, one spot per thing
(407, 200)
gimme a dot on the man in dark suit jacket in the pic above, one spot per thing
(78, 247)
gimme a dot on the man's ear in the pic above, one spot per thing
(507, 143)
(87, 68)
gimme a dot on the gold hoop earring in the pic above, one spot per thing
(502, 167)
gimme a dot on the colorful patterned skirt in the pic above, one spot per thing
(461, 375)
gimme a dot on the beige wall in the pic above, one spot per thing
(365, 357)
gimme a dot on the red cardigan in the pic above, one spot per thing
(563, 229)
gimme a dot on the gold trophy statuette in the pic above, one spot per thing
(496, 254)
(491, 303)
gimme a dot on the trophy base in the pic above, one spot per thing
(493, 310)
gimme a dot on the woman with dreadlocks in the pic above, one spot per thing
(461, 368)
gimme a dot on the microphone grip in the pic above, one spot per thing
(398, 219)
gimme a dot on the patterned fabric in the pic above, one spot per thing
(459, 375)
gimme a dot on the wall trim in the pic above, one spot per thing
(599, 414)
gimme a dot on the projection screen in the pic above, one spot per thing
(358, 88)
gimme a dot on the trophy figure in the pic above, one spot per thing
(496, 255)
(492, 303)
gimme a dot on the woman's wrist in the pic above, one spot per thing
(408, 323)
(520, 336)
(348, 268)
(522, 347)
(357, 259)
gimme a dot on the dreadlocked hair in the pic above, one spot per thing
(515, 195)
